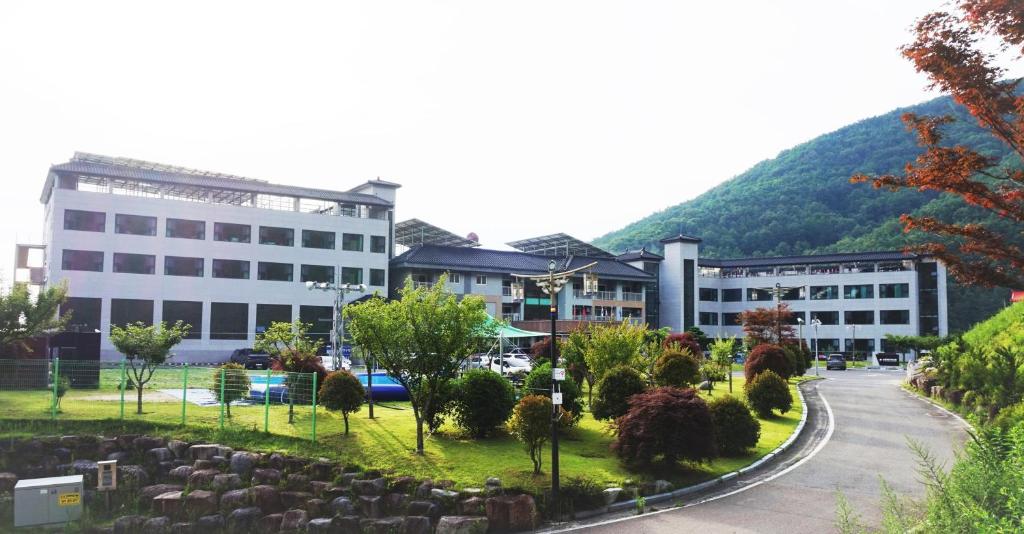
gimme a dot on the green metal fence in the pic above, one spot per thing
(259, 400)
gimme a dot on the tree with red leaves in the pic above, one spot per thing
(768, 325)
(950, 48)
(665, 425)
(685, 341)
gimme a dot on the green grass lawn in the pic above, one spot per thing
(386, 442)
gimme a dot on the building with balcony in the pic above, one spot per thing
(142, 242)
(858, 297)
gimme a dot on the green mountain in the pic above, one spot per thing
(802, 202)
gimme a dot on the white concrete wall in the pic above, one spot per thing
(158, 287)
(672, 286)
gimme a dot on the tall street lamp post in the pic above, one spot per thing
(816, 323)
(338, 320)
(551, 283)
(800, 321)
(853, 344)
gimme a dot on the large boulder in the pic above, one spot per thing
(129, 524)
(180, 474)
(201, 502)
(512, 513)
(369, 487)
(267, 498)
(225, 482)
(169, 504)
(317, 508)
(210, 523)
(242, 463)
(178, 448)
(184, 528)
(424, 508)
(202, 478)
(321, 525)
(243, 520)
(204, 452)
(148, 493)
(294, 521)
(371, 506)
(413, 524)
(295, 499)
(460, 524)
(234, 499)
(297, 482)
(157, 525)
(132, 477)
(269, 476)
(158, 455)
(342, 506)
(385, 525)
(88, 469)
(145, 443)
(471, 506)
(269, 524)
(321, 470)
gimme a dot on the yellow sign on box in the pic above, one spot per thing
(69, 499)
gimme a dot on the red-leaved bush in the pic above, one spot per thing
(685, 341)
(767, 357)
(665, 425)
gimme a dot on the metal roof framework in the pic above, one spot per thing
(810, 259)
(559, 244)
(416, 232)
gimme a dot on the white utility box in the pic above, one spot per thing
(46, 501)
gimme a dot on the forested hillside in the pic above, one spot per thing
(802, 202)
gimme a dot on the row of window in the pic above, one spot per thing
(857, 291)
(855, 317)
(92, 260)
(228, 320)
(96, 221)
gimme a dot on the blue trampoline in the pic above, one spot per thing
(385, 388)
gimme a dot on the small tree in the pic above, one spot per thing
(421, 339)
(614, 391)
(541, 350)
(342, 392)
(484, 400)
(736, 429)
(538, 382)
(531, 424)
(768, 325)
(22, 317)
(146, 348)
(574, 359)
(768, 391)
(234, 381)
(699, 336)
(684, 341)
(63, 385)
(665, 424)
(677, 369)
(292, 351)
(767, 357)
(721, 354)
(614, 345)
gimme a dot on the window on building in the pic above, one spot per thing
(188, 312)
(709, 318)
(826, 317)
(134, 263)
(859, 317)
(268, 314)
(826, 345)
(185, 229)
(894, 317)
(893, 291)
(824, 292)
(861, 291)
(229, 320)
(863, 346)
(232, 233)
(317, 273)
(732, 295)
(793, 293)
(377, 277)
(708, 294)
(353, 242)
(231, 269)
(317, 239)
(134, 224)
(130, 311)
(275, 272)
(481, 280)
(82, 260)
(454, 278)
(85, 221)
(759, 294)
(273, 235)
(320, 320)
(730, 319)
(378, 243)
(85, 313)
(181, 266)
(351, 275)
(796, 317)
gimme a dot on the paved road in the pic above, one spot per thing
(873, 419)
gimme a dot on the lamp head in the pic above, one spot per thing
(800, 320)
(551, 265)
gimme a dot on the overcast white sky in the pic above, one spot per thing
(486, 112)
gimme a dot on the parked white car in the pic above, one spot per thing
(510, 365)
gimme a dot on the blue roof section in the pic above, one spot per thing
(508, 261)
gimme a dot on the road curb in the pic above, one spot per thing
(661, 497)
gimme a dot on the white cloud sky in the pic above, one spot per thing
(488, 113)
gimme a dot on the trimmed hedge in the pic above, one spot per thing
(484, 400)
(736, 429)
(767, 357)
(768, 391)
(614, 391)
(676, 369)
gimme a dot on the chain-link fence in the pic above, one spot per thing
(222, 397)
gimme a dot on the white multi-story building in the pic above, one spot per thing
(857, 297)
(137, 241)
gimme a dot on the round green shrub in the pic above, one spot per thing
(231, 380)
(538, 382)
(484, 400)
(796, 359)
(531, 424)
(614, 391)
(341, 391)
(768, 391)
(665, 425)
(767, 357)
(677, 369)
(736, 429)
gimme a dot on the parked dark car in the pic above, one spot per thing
(836, 361)
(250, 359)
